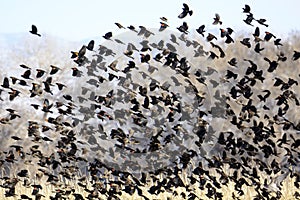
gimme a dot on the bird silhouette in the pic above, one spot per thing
(5, 83)
(277, 42)
(183, 28)
(262, 22)
(268, 36)
(54, 69)
(163, 26)
(246, 42)
(201, 30)
(119, 25)
(90, 45)
(185, 10)
(232, 62)
(107, 35)
(34, 30)
(210, 37)
(249, 19)
(257, 48)
(296, 55)
(246, 9)
(217, 20)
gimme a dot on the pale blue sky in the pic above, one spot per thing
(81, 19)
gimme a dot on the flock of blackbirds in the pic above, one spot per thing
(150, 120)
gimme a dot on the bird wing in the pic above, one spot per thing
(182, 15)
(173, 37)
(256, 32)
(262, 20)
(34, 28)
(91, 45)
(185, 7)
(256, 48)
(247, 7)
(108, 34)
(267, 59)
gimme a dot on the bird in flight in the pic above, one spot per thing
(34, 31)
(90, 45)
(249, 19)
(119, 25)
(108, 35)
(201, 30)
(246, 9)
(262, 22)
(217, 19)
(268, 36)
(183, 28)
(185, 10)
(163, 26)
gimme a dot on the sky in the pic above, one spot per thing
(81, 19)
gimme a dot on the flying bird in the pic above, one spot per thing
(74, 54)
(5, 83)
(212, 55)
(246, 9)
(173, 39)
(229, 39)
(34, 31)
(24, 66)
(268, 36)
(246, 42)
(296, 55)
(249, 19)
(223, 32)
(163, 26)
(60, 86)
(54, 69)
(132, 28)
(145, 58)
(256, 35)
(232, 62)
(257, 48)
(277, 42)
(119, 25)
(183, 28)
(210, 37)
(272, 64)
(226, 33)
(201, 30)
(90, 45)
(222, 53)
(40, 73)
(81, 52)
(281, 57)
(107, 35)
(185, 10)
(164, 19)
(217, 19)
(262, 22)
(263, 98)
